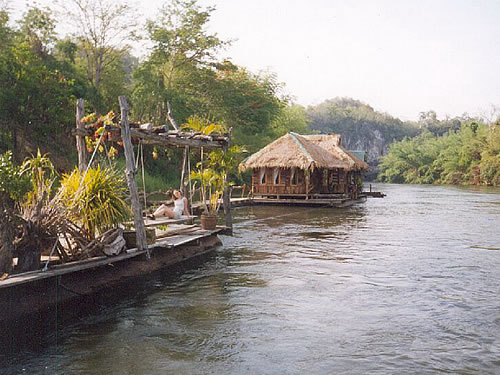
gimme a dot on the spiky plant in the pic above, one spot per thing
(42, 173)
(97, 199)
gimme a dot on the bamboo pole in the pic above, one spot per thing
(80, 140)
(131, 171)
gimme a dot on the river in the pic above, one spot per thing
(406, 284)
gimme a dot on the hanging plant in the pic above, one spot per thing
(101, 133)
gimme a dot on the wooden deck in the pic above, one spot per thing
(170, 242)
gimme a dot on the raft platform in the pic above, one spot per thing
(320, 200)
(43, 291)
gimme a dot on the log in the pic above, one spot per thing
(115, 247)
(80, 140)
(130, 173)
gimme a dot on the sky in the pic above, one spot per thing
(399, 56)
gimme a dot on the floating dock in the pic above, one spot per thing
(312, 201)
(41, 291)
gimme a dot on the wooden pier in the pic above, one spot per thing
(42, 291)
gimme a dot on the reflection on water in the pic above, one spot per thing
(405, 284)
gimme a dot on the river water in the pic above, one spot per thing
(406, 284)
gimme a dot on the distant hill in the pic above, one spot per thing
(361, 127)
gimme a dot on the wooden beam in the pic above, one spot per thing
(131, 171)
(167, 139)
(80, 139)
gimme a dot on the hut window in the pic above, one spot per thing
(262, 178)
(293, 176)
(276, 176)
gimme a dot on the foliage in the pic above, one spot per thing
(38, 91)
(39, 27)
(213, 175)
(42, 173)
(212, 187)
(96, 199)
(183, 70)
(490, 157)
(102, 28)
(468, 156)
(292, 118)
(12, 180)
(203, 126)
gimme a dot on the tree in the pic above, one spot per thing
(101, 29)
(182, 49)
(292, 118)
(37, 90)
(469, 156)
(490, 157)
(38, 26)
(180, 36)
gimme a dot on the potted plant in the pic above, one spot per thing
(212, 188)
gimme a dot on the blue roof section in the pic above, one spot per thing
(301, 147)
(363, 155)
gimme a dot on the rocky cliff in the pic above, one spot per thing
(361, 127)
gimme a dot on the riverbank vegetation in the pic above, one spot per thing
(468, 154)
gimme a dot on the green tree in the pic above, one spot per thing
(38, 26)
(292, 118)
(182, 48)
(102, 28)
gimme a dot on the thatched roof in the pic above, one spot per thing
(304, 152)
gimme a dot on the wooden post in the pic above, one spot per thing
(306, 177)
(226, 195)
(131, 171)
(227, 208)
(183, 171)
(80, 140)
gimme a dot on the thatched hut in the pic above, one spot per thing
(305, 166)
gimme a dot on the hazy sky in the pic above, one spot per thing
(401, 57)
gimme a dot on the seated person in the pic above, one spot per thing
(180, 208)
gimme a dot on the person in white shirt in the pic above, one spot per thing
(180, 208)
